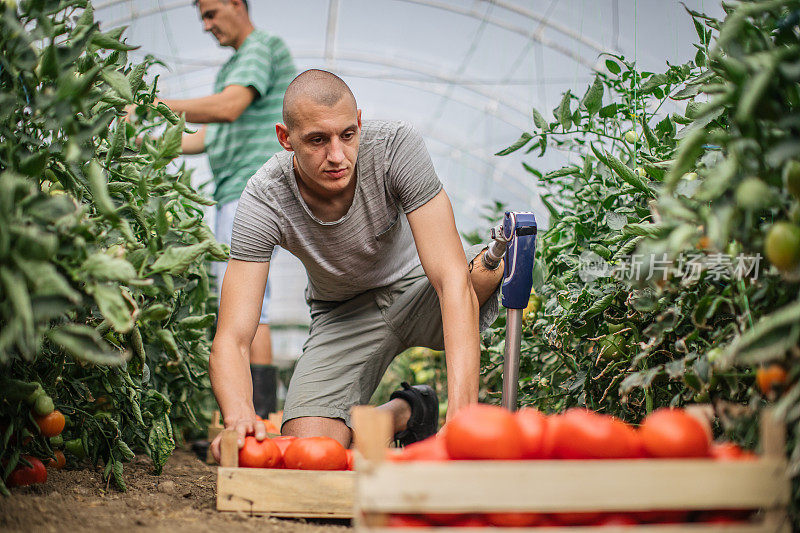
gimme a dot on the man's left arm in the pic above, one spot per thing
(442, 257)
(224, 106)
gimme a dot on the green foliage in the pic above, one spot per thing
(626, 346)
(104, 295)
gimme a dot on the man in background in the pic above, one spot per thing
(239, 136)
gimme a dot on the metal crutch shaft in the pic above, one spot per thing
(519, 236)
(511, 358)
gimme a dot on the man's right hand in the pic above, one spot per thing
(244, 427)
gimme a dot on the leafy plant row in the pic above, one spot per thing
(694, 172)
(104, 294)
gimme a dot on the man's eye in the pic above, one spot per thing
(347, 136)
(316, 140)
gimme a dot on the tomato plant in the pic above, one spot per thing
(692, 172)
(315, 453)
(103, 285)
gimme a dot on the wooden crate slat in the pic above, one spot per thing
(572, 485)
(294, 493)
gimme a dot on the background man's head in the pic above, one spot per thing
(228, 20)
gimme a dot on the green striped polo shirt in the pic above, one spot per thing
(236, 150)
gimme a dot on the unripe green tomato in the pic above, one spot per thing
(43, 406)
(32, 397)
(733, 249)
(612, 346)
(75, 447)
(753, 194)
(690, 176)
(713, 355)
(701, 397)
(631, 136)
(791, 177)
(614, 328)
(794, 213)
(782, 245)
(57, 441)
(73, 152)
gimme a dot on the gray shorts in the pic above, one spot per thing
(352, 343)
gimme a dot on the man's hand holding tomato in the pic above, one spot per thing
(243, 426)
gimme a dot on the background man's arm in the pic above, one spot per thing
(225, 106)
(445, 264)
(229, 363)
(194, 143)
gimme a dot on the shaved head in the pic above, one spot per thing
(320, 87)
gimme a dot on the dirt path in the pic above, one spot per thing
(181, 499)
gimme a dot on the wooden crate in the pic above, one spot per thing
(383, 488)
(278, 492)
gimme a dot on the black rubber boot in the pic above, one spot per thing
(424, 420)
(265, 389)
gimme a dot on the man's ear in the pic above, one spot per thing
(283, 137)
(359, 119)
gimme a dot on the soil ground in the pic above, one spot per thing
(181, 499)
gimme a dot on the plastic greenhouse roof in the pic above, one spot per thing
(466, 73)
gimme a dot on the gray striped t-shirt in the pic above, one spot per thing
(371, 245)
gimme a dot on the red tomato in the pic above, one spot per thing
(407, 520)
(282, 443)
(513, 519)
(58, 461)
(661, 516)
(52, 424)
(431, 449)
(444, 519)
(394, 455)
(583, 434)
(483, 431)
(315, 453)
(552, 429)
(350, 462)
(674, 433)
(532, 423)
(23, 475)
(469, 521)
(617, 519)
(586, 518)
(727, 451)
(255, 454)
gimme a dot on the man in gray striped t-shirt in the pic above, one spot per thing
(238, 137)
(361, 206)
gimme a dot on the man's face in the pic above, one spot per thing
(325, 142)
(220, 18)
